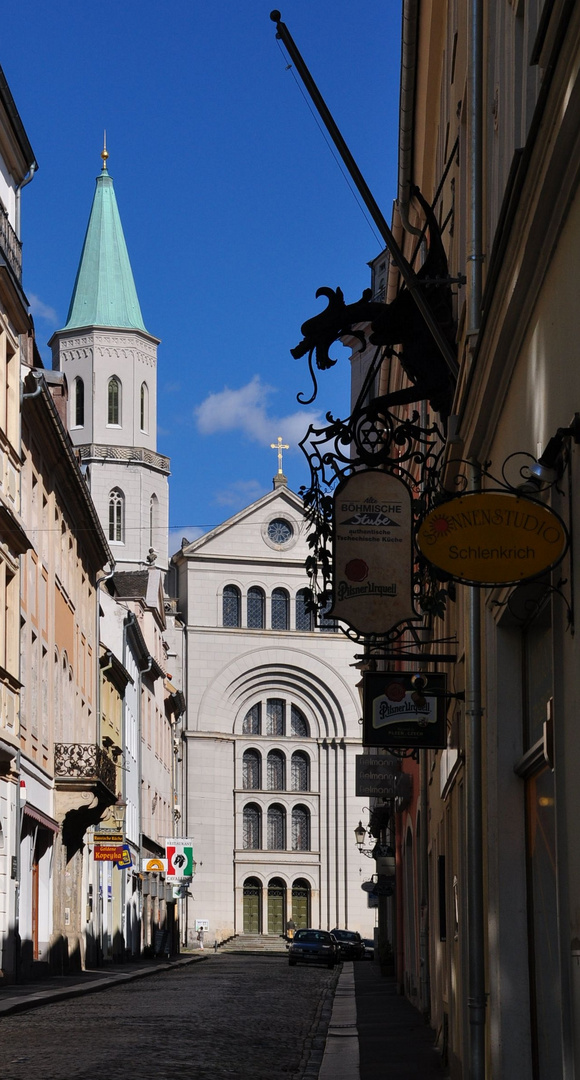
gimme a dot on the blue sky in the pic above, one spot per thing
(233, 207)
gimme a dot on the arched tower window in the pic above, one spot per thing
(153, 505)
(280, 609)
(298, 724)
(252, 762)
(300, 829)
(252, 826)
(255, 608)
(144, 407)
(114, 401)
(116, 516)
(276, 828)
(79, 402)
(275, 717)
(276, 770)
(232, 606)
(300, 771)
(304, 619)
(252, 724)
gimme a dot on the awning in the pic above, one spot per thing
(43, 819)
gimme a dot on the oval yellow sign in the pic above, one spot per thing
(492, 538)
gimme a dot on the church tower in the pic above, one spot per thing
(110, 361)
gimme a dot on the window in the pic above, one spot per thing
(280, 531)
(303, 617)
(298, 724)
(276, 771)
(280, 609)
(116, 516)
(252, 826)
(275, 717)
(251, 769)
(300, 771)
(144, 407)
(153, 503)
(114, 401)
(79, 402)
(252, 724)
(325, 623)
(276, 828)
(255, 608)
(300, 829)
(232, 606)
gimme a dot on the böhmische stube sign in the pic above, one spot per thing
(372, 547)
(493, 538)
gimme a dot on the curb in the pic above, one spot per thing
(45, 997)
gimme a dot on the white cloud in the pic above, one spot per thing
(181, 532)
(40, 310)
(248, 410)
(239, 494)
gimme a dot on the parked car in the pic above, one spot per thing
(313, 947)
(369, 948)
(350, 944)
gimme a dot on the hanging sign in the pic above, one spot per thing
(153, 865)
(108, 853)
(372, 552)
(401, 710)
(179, 854)
(493, 538)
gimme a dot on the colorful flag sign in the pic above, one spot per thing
(179, 854)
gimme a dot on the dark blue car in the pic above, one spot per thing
(313, 947)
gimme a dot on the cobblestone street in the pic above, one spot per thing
(230, 1016)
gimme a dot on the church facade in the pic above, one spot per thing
(271, 735)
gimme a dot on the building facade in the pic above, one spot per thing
(271, 734)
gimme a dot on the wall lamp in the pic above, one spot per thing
(360, 833)
(550, 466)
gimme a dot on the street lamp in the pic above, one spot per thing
(360, 833)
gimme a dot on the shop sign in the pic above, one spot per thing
(179, 854)
(399, 713)
(108, 852)
(493, 538)
(108, 836)
(372, 552)
(377, 776)
(153, 865)
(127, 860)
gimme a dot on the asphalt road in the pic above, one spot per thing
(242, 1017)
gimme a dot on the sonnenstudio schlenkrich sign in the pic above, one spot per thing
(493, 538)
(372, 552)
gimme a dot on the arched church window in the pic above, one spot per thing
(116, 516)
(300, 829)
(252, 826)
(79, 402)
(255, 608)
(303, 616)
(232, 606)
(252, 724)
(275, 717)
(153, 505)
(300, 771)
(276, 771)
(276, 828)
(298, 724)
(114, 401)
(280, 609)
(144, 407)
(251, 769)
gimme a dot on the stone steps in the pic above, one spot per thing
(254, 943)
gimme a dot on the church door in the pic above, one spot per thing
(252, 906)
(300, 905)
(276, 899)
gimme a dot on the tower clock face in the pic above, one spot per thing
(280, 531)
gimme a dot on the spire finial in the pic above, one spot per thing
(104, 151)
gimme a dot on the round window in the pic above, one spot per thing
(280, 531)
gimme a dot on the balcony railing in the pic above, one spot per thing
(84, 761)
(10, 245)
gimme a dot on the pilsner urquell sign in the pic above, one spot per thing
(493, 538)
(372, 552)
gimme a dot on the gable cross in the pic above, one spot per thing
(279, 446)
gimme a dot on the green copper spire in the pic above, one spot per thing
(104, 293)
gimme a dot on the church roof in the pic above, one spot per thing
(104, 293)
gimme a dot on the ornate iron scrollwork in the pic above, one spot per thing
(85, 761)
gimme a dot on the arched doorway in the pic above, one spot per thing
(252, 906)
(276, 906)
(301, 904)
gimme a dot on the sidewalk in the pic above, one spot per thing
(374, 1033)
(21, 996)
